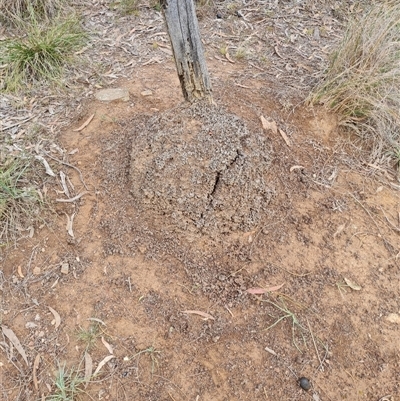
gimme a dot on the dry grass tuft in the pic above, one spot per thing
(13, 11)
(19, 200)
(362, 82)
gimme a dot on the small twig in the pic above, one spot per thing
(315, 345)
(70, 165)
(17, 124)
(74, 198)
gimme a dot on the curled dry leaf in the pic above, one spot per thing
(35, 368)
(57, 318)
(258, 291)
(102, 363)
(107, 345)
(296, 168)
(85, 124)
(20, 271)
(352, 285)
(14, 340)
(200, 313)
(88, 368)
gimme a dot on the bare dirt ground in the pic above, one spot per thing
(162, 230)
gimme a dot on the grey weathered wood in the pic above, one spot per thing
(183, 30)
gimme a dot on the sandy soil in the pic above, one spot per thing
(162, 277)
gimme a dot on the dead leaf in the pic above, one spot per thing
(257, 291)
(285, 137)
(352, 285)
(35, 368)
(57, 318)
(200, 313)
(269, 125)
(107, 345)
(88, 368)
(94, 319)
(228, 58)
(85, 124)
(295, 168)
(14, 340)
(339, 230)
(20, 271)
(272, 352)
(49, 171)
(70, 222)
(102, 363)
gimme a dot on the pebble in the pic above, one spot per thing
(146, 92)
(304, 383)
(65, 268)
(393, 318)
(109, 95)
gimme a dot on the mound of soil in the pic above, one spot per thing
(200, 168)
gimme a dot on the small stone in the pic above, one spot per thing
(36, 271)
(146, 92)
(304, 383)
(219, 15)
(31, 325)
(65, 268)
(109, 95)
(393, 318)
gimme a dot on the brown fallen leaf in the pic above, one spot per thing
(285, 137)
(20, 271)
(107, 345)
(258, 291)
(200, 313)
(14, 340)
(352, 285)
(35, 368)
(88, 368)
(269, 125)
(85, 124)
(57, 318)
(102, 363)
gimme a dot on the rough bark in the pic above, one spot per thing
(183, 30)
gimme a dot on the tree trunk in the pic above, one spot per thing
(183, 30)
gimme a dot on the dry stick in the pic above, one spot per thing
(315, 345)
(16, 124)
(74, 198)
(70, 165)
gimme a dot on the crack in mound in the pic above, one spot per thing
(200, 168)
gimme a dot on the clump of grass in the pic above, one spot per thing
(19, 200)
(240, 53)
(128, 7)
(40, 53)
(286, 313)
(362, 83)
(69, 385)
(90, 335)
(13, 11)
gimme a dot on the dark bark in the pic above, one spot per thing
(183, 30)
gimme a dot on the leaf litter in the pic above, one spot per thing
(15, 341)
